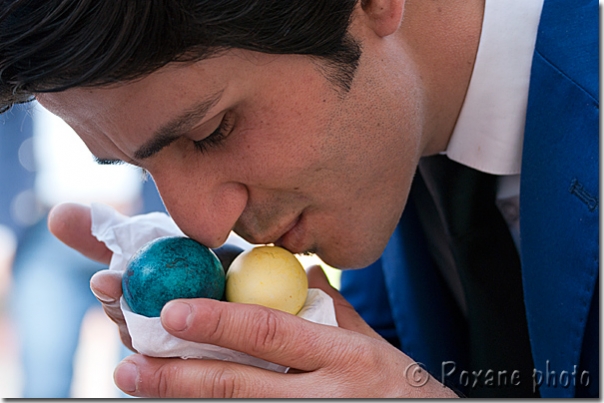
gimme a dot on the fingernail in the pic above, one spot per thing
(102, 297)
(175, 315)
(126, 376)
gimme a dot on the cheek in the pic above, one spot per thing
(280, 151)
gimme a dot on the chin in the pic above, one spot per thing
(351, 259)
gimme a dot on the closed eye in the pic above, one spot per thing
(108, 161)
(217, 137)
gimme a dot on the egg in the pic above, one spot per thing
(168, 268)
(269, 276)
(226, 254)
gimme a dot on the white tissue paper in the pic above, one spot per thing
(124, 235)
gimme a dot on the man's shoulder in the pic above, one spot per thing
(568, 41)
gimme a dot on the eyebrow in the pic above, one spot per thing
(176, 127)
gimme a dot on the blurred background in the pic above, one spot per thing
(55, 340)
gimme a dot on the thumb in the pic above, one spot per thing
(347, 317)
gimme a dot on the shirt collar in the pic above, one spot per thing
(489, 131)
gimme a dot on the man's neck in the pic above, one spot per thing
(444, 37)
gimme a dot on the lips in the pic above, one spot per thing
(290, 237)
(288, 229)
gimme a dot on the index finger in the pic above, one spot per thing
(70, 223)
(262, 332)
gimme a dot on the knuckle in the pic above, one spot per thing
(115, 314)
(224, 383)
(357, 356)
(214, 325)
(266, 335)
(369, 356)
(163, 380)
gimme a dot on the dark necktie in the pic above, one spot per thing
(472, 246)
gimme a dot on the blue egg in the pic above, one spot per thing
(169, 268)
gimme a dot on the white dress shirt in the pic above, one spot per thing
(489, 132)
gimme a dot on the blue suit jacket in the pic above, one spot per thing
(404, 297)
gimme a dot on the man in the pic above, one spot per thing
(303, 125)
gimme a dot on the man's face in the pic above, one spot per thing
(265, 145)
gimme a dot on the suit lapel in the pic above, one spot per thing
(429, 323)
(559, 206)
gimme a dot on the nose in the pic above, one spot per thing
(205, 208)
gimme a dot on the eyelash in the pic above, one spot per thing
(216, 138)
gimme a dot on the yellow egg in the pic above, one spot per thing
(269, 276)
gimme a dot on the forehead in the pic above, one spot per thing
(165, 89)
(114, 121)
(180, 85)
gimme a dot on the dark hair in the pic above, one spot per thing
(53, 45)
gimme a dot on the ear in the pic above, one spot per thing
(384, 17)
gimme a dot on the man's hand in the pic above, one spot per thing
(346, 361)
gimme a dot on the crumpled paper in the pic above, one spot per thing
(124, 235)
